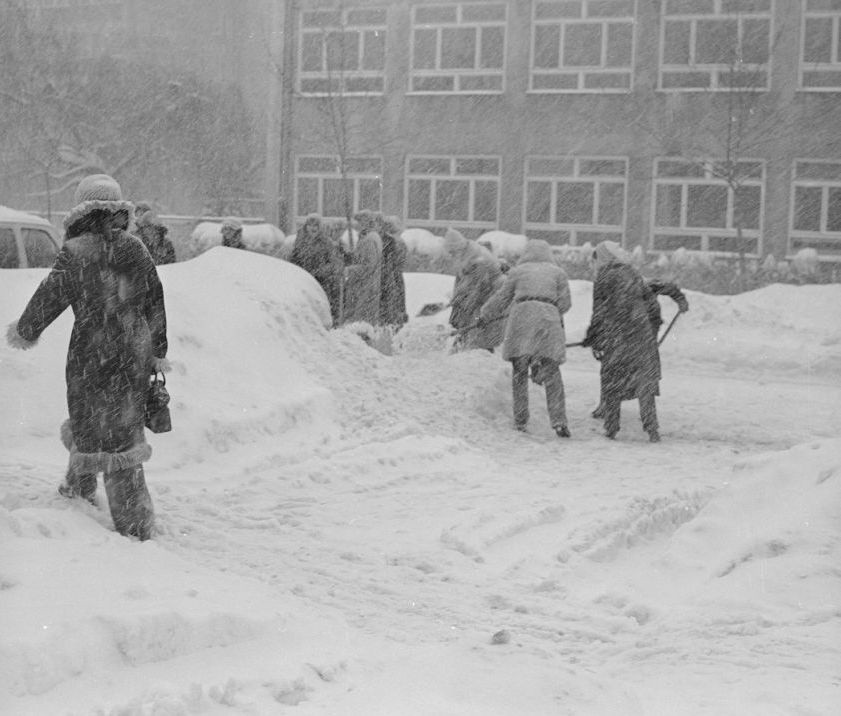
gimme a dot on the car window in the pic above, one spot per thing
(8, 248)
(39, 247)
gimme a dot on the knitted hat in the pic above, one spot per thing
(608, 252)
(232, 223)
(146, 218)
(391, 225)
(97, 191)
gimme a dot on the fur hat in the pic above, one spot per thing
(391, 225)
(454, 241)
(146, 218)
(232, 223)
(97, 191)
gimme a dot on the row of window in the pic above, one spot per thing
(709, 206)
(576, 46)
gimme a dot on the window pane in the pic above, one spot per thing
(611, 204)
(458, 48)
(676, 43)
(418, 199)
(39, 248)
(619, 44)
(538, 201)
(807, 208)
(574, 203)
(484, 201)
(423, 57)
(334, 197)
(833, 218)
(493, 48)
(706, 206)
(369, 194)
(817, 40)
(373, 53)
(746, 204)
(311, 52)
(669, 197)
(8, 249)
(547, 46)
(582, 45)
(343, 51)
(716, 41)
(755, 36)
(307, 196)
(451, 200)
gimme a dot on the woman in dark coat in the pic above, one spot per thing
(621, 336)
(393, 296)
(119, 338)
(535, 295)
(321, 258)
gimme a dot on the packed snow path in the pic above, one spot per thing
(619, 576)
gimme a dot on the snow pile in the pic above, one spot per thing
(503, 244)
(424, 242)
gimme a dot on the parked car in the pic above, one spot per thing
(26, 240)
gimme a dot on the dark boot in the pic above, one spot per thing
(130, 502)
(562, 431)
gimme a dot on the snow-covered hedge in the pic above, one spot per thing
(262, 238)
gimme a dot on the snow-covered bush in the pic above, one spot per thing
(504, 245)
(262, 238)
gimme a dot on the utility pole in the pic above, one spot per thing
(274, 111)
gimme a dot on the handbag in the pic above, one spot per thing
(157, 405)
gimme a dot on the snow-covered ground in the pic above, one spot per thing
(346, 533)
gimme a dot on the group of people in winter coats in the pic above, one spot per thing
(364, 284)
(522, 308)
(108, 276)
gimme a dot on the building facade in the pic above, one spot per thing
(705, 124)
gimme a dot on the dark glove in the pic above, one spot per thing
(598, 354)
(682, 305)
(481, 322)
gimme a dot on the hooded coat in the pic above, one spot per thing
(536, 295)
(321, 258)
(110, 282)
(364, 279)
(478, 276)
(154, 238)
(621, 327)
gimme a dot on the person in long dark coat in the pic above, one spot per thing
(119, 338)
(478, 276)
(655, 287)
(153, 234)
(364, 276)
(231, 231)
(621, 336)
(320, 257)
(535, 295)
(393, 296)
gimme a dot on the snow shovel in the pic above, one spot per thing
(668, 328)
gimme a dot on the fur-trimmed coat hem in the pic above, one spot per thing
(91, 462)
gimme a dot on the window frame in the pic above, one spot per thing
(705, 233)
(581, 72)
(804, 67)
(458, 75)
(823, 233)
(322, 176)
(433, 221)
(326, 74)
(713, 69)
(576, 230)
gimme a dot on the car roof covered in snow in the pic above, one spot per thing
(20, 217)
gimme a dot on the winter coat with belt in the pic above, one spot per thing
(537, 291)
(621, 330)
(119, 330)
